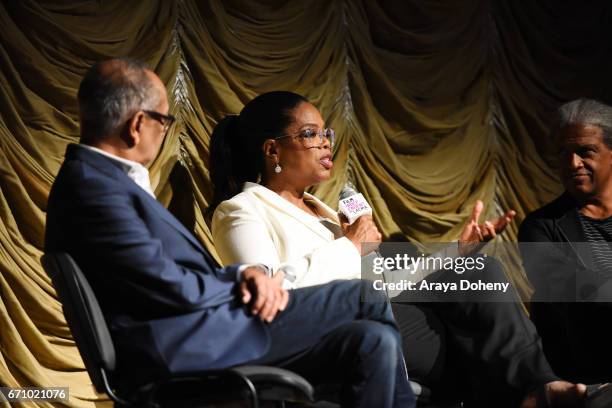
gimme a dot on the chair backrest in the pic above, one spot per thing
(84, 317)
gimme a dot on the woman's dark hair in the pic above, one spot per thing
(236, 154)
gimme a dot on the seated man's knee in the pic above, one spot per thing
(377, 340)
(370, 294)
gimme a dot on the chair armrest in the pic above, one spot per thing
(215, 386)
(277, 384)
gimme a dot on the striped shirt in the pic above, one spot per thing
(599, 234)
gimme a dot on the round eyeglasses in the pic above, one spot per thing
(314, 137)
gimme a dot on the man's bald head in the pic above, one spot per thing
(110, 93)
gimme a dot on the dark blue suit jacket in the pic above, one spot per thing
(169, 307)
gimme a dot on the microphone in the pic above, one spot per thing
(353, 204)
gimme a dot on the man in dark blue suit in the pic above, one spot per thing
(169, 307)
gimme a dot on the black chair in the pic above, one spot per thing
(200, 389)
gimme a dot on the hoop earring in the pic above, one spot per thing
(277, 168)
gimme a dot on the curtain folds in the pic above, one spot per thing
(435, 104)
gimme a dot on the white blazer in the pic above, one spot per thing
(259, 226)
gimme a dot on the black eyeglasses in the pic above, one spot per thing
(165, 120)
(314, 137)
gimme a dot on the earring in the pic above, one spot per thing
(277, 168)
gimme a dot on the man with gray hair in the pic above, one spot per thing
(571, 302)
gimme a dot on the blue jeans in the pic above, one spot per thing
(329, 334)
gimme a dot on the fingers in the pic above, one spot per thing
(363, 230)
(476, 211)
(473, 233)
(478, 235)
(372, 234)
(364, 220)
(284, 300)
(488, 231)
(267, 311)
(278, 303)
(266, 295)
(245, 293)
(278, 278)
(509, 216)
(581, 389)
(343, 221)
(275, 302)
(500, 223)
(260, 297)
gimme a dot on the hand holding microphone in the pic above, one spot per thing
(357, 222)
(363, 234)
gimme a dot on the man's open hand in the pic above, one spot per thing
(265, 296)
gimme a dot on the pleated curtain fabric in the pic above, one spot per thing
(435, 104)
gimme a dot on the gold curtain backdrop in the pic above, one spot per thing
(436, 104)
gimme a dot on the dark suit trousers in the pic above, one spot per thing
(481, 348)
(328, 333)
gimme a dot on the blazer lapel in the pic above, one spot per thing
(173, 222)
(331, 221)
(285, 206)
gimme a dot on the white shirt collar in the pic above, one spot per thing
(134, 170)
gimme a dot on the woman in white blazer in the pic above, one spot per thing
(261, 226)
(274, 222)
(262, 162)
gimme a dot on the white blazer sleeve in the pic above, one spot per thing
(241, 236)
(338, 259)
(244, 235)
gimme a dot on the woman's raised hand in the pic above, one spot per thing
(363, 233)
